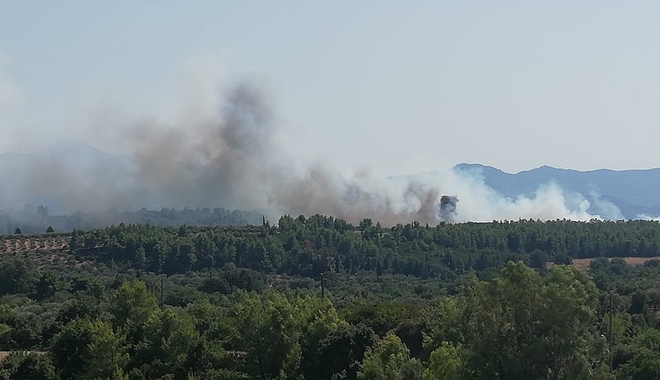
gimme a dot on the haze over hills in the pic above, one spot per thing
(69, 176)
(634, 192)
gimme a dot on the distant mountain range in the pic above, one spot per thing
(634, 192)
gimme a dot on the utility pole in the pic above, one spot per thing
(322, 287)
(611, 334)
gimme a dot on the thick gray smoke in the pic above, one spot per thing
(448, 208)
(230, 159)
(233, 161)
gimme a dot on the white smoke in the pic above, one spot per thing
(479, 202)
(11, 100)
(648, 217)
(606, 209)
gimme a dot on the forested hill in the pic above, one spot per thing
(319, 298)
(310, 246)
(634, 192)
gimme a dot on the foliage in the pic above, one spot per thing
(318, 298)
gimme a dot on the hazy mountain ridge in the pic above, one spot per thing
(70, 165)
(634, 192)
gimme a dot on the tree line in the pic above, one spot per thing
(314, 245)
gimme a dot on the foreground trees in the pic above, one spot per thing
(389, 359)
(519, 326)
(524, 324)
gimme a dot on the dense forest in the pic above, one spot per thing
(319, 298)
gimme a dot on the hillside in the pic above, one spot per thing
(634, 192)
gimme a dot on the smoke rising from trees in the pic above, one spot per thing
(231, 159)
(234, 160)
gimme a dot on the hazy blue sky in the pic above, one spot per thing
(394, 87)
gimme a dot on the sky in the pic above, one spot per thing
(385, 87)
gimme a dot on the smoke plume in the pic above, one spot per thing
(229, 158)
(11, 98)
(234, 161)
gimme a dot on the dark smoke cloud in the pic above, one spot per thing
(234, 162)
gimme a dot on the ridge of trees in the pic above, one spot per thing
(311, 246)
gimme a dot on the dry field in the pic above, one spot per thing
(43, 251)
(20, 244)
(583, 264)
